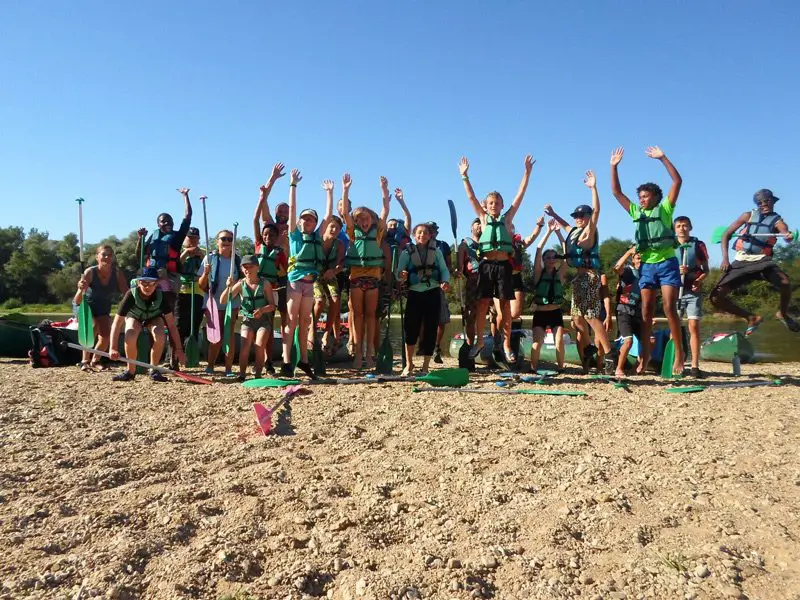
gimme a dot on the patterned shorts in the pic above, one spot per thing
(365, 283)
(586, 300)
(326, 290)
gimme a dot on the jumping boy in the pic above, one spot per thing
(656, 243)
(694, 269)
(760, 229)
(629, 305)
(494, 277)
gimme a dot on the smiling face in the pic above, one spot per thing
(636, 260)
(493, 204)
(146, 288)
(250, 270)
(765, 207)
(421, 235)
(549, 258)
(269, 235)
(581, 220)
(307, 223)
(165, 223)
(362, 218)
(104, 256)
(333, 229)
(225, 242)
(282, 213)
(191, 241)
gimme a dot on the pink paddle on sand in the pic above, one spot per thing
(264, 414)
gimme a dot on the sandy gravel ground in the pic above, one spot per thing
(146, 490)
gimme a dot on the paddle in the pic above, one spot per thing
(385, 360)
(479, 391)
(402, 330)
(85, 324)
(317, 355)
(716, 235)
(191, 347)
(445, 377)
(464, 360)
(264, 414)
(229, 322)
(138, 363)
(669, 352)
(213, 332)
(441, 377)
(702, 388)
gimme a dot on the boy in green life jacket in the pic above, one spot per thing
(495, 269)
(145, 307)
(655, 240)
(257, 311)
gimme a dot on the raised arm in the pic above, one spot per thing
(294, 179)
(675, 189)
(616, 188)
(187, 205)
(347, 181)
(398, 193)
(463, 168)
(548, 210)
(619, 267)
(537, 230)
(537, 261)
(277, 173)
(523, 185)
(386, 199)
(587, 235)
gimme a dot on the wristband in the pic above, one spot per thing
(292, 185)
(464, 178)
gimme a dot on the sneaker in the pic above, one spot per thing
(230, 374)
(696, 373)
(124, 376)
(270, 368)
(475, 351)
(209, 370)
(437, 355)
(510, 357)
(287, 370)
(609, 365)
(306, 368)
(157, 376)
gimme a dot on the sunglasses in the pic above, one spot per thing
(225, 239)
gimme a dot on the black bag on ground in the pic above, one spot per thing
(49, 347)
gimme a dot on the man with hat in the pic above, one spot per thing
(145, 307)
(444, 309)
(759, 230)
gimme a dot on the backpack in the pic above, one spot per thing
(49, 347)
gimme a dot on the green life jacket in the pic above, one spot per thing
(146, 310)
(579, 257)
(364, 250)
(189, 269)
(309, 258)
(473, 254)
(495, 236)
(423, 272)
(267, 262)
(548, 289)
(651, 232)
(252, 299)
(330, 258)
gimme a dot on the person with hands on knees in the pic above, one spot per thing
(759, 231)
(326, 288)
(365, 259)
(213, 273)
(305, 263)
(257, 311)
(629, 305)
(548, 296)
(145, 307)
(582, 252)
(655, 240)
(422, 268)
(495, 269)
(694, 269)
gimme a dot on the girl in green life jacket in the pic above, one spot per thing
(257, 311)
(495, 269)
(326, 288)
(656, 243)
(365, 259)
(548, 296)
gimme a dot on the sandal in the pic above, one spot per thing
(790, 324)
(751, 329)
(86, 367)
(98, 366)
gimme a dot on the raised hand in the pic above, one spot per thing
(616, 156)
(295, 177)
(529, 162)
(347, 181)
(654, 152)
(548, 210)
(463, 166)
(540, 221)
(277, 172)
(141, 232)
(327, 185)
(398, 193)
(184, 191)
(590, 180)
(553, 225)
(384, 184)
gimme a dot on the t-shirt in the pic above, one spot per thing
(665, 211)
(128, 302)
(372, 272)
(224, 270)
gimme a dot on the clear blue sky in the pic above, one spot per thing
(121, 103)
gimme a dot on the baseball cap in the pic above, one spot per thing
(249, 259)
(193, 231)
(309, 212)
(148, 274)
(582, 210)
(432, 225)
(764, 195)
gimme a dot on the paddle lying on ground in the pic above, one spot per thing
(619, 382)
(138, 363)
(701, 388)
(229, 322)
(213, 331)
(441, 377)
(716, 235)
(264, 414)
(191, 347)
(480, 391)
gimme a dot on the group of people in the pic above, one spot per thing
(302, 265)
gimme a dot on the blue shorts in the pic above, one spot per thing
(654, 275)
(692, 305)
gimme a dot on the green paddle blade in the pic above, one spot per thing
(318, 357)
(685, 390)
(446, 377)
(385, 359)
(667, 360)
(191, 348)
(716, 235)
(228, 327)
(85, 326)
(269, 383)
(295, 354)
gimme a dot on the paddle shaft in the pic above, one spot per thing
(479, 391)
(80, 202)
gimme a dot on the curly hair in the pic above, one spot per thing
(653, 188)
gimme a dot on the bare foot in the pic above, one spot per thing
(619, 373)
(642, 367)
(408, 371)
(370, 362)
(357, 360)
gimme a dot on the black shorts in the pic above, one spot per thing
(494, 280)
(629, 324)
(516, 282)
(280, 286)
(743, 272)
(548, 319)
(343, 278)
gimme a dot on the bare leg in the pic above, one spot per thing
(536, 347)
(648, 308)
(244, 351)
(293, 310)
(132, 329)
(623, 356)
(694, 341)
(505, 324)
(159, 340)
(357, 325)
(719, 298)
(669, 295)
(410, 349)
(559, 335)
(480, 321)
(370, 323)
(304, 322)
(261, 349)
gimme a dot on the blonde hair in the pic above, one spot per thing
(363, 209)
(495, 195)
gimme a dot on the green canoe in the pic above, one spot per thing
(722, 346)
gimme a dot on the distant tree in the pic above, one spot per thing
(245, 245)
(26, 272)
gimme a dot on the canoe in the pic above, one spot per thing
(722, 346)
(15, 337)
